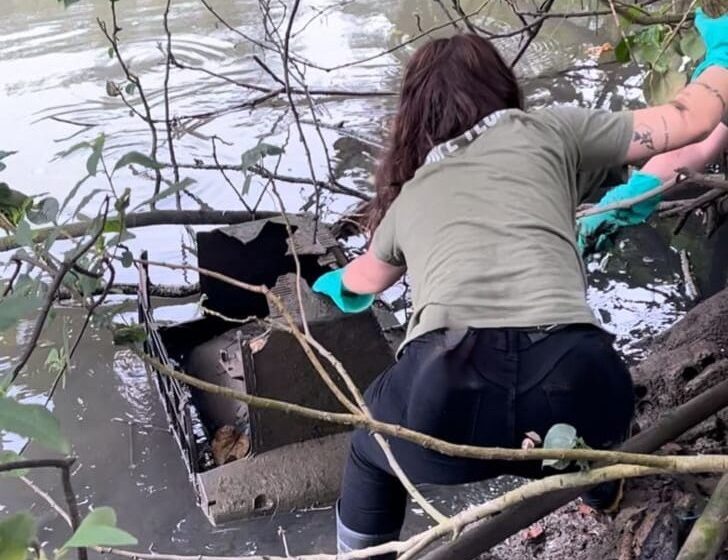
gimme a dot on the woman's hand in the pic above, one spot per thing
(352, 288)
(332, 284)
(594, 232)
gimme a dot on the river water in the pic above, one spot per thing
(54, 69)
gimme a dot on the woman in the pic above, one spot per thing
(476, 200)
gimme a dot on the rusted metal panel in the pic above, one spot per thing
(276, 458)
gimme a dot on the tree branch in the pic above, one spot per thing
(144, 219)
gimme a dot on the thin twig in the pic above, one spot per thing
(112, 37)
(9, 287)
(45, 496)
(167, 117)
(629, 202)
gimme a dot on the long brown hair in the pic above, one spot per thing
(448, 86)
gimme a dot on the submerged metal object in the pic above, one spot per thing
(247, 461)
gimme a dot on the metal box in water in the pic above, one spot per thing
(246, 461)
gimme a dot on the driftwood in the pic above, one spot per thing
(682, 395)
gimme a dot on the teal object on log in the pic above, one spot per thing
(714, 32)
(594, 232)
(331, 284)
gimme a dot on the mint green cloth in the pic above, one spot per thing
(594, 232)
(714, 32)
(332, 285)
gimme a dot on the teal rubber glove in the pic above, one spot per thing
(594, 232)
(332, 284)
(714, 32)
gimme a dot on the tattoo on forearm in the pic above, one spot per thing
(667, 134)
(715, 92)
(644, 137)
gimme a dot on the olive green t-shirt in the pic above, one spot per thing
(486, 227)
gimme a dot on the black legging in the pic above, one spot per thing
(487, 387)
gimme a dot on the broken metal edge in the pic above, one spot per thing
(296, 476)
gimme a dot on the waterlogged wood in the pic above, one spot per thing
(710, 530)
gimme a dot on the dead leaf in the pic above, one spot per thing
(598, 50)
(229, 445)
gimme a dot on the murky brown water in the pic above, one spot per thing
(54, 65)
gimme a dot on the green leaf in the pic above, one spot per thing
(622, 51)
(172, 189)
(124, 335)
(9, 457)
(97, 148)
(692, 45)
(662, 86)
(99, 529)
(645, 53)
(122, 202)
(43, 211)
(246, 184)
(123, 237)
(253, 155)
(72, 149)
(3, 155)
(32, 421)
(13, 203)
(112, 226)
(23, 234)
(559, 436)
(73, 191)
(130, 88)
(84, 201)
(138, 159)
(127, 259)
(16, 306)
(88, 285)
(16, 535)
(110, 52)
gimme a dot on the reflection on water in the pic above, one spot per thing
(54, 66)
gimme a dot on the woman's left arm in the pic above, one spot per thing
(368, 274)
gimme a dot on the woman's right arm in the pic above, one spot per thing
(693, 157)
(694, 113)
